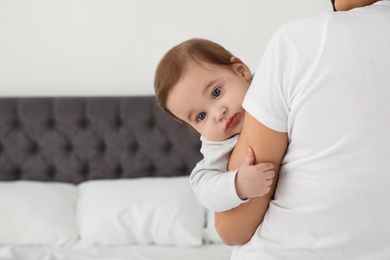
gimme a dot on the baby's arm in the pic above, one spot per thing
(215, 187)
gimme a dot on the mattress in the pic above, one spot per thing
(137, 252)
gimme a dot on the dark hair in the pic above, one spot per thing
(334, 7)
(174, 64)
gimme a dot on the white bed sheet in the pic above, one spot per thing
(138, 252)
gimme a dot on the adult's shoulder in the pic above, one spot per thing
(300, 39)
(287, 64)
(304, 29)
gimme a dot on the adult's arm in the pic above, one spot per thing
(238, 225)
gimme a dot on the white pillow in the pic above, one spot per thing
(210, 233)
(37, 213)
(162, 211)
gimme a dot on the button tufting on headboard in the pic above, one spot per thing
(51, 123)
(84, 170)
(133, 147)
(34, 148)
(119, 122)
(83, 122)
(76, 139)
(16, 124)
(51, 172)
(101, 147)
(68, 148)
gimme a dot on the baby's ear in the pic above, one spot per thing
(240, 68)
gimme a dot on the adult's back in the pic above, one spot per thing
(325, 81)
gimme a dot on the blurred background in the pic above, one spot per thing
(112, 48)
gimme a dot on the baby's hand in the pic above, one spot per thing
(254, 180)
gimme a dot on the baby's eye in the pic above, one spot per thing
(216, 92)
(201, 116)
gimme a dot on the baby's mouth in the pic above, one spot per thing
(232, 121)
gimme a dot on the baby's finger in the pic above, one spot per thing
(269, 174)
(266, 166)
(250, 157)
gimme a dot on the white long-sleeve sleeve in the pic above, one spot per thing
(213, 185)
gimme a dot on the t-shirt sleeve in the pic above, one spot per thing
(285, 69)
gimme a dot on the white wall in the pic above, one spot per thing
(112, 47)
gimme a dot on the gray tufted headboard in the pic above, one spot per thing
(77, 139)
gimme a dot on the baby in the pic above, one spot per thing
(202, 85)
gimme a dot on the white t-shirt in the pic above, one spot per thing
(325, 80)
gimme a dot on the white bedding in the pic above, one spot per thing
(205, 252)
(137, 219)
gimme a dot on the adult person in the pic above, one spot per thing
(318, 106)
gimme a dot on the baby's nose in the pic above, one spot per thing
(221, 114)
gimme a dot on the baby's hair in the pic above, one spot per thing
(174, 63)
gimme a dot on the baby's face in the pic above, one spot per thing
(209, 98)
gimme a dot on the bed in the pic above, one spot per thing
(99, 178)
